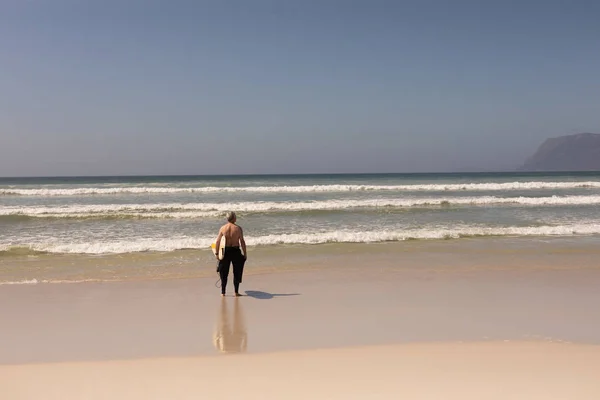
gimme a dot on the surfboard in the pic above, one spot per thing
(213, 247)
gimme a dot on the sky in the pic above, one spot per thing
(147, 87)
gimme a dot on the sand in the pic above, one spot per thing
(417, 371)
(353, 330)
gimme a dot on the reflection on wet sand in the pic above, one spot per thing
(230, 334)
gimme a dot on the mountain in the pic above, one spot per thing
(580, 152)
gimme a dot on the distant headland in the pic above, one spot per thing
(579, 152)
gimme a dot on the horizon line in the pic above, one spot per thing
(296, 174)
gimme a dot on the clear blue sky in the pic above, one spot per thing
(282, 86)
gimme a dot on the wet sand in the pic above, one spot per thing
(445, 255)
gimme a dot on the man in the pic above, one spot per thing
(234, 237)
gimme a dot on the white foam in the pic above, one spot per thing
(166, 245)
(204, 210)
(489, 186)
(23, 282)
(441, 233)
(35, 281)
(128, 246)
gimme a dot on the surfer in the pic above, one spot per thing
(234, 237)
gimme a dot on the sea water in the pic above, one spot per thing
(100, 216)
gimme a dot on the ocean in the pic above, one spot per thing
(90, 222)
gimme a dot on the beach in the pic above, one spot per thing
(472, 318)
(423, 286)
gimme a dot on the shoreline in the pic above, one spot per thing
(481, 253)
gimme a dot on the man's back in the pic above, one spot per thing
(232, 233)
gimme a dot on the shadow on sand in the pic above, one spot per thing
(266, 296)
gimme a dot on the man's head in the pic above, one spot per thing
(231, 217)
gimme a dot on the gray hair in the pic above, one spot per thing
(230, 216)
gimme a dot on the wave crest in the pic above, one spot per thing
(486, 186)
(207, 210)
(167, 245)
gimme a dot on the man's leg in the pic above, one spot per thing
(224, 273)
(238, 271)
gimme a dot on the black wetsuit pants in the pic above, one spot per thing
(233, 255)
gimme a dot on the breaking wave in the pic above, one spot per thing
(167, 245)
(83, 191)
(205, 210)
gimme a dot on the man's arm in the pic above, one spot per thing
(243, 242)
(218, 243)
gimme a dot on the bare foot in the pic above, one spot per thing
(238, 295)
(222, 294)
